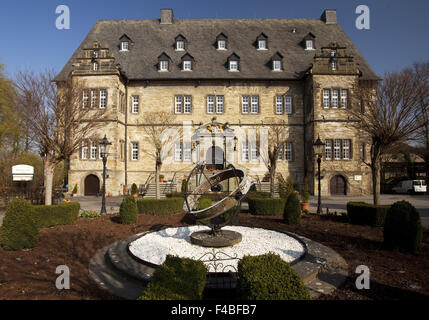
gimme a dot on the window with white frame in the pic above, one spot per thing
(346, 149)
(309, 44)
(279, 104)
(334, 102)
(328, 149)
(288, 104)
(334, 65)
(277, 65)
(103, 98)
(333, 53)
(188, 104)
(221, 45)
(253, 151)
(163, 65)
(245, 104)
(180, 45)
(344, 98)
(95, 54)
(135, 104)
(85, 150)
(288, 151)
(85, 99)
(210, 104)
(93, 150)
(219, 104)
(255, 104)
(93, 98)
(187, 152)
(124, 46)
(95, 66)
(233, 66)
(337, 149)
(187, 65)
(245, 151)
(178, 151)
(326, 98)
(262, 44)
(178, 104)
(134, 151)
(281, 152)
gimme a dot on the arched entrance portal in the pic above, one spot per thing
(214, 158)
(338, 185)
(92, 185)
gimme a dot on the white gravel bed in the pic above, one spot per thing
(155, 246)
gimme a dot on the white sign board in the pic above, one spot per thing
(358, 178)
(22, 172)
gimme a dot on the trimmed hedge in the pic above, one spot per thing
(54, 215)
(160, 206)
(362, 213)
(128, 210)
(177, 279)
(268, 277)
(292, 210)
(403, 228)
(266, 206)
(19, 228)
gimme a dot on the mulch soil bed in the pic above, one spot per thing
(30, 274)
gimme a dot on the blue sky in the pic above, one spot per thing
(397, 38)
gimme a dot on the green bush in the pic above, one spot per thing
(266, 206)
(285, 186)
(183, 187)
(305, 194)
(403, 228)
(292, 211)
(74, 189)
(160, 206)
(128, 210)
(174, 194)
(268, 277)
(177, 279)
(134, 189)
(90, 214)
(257, 194)
(19, 228)
(54, 215)
(366, 214)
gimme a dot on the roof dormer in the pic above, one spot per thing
(180, 43)
(221, 42)
(262, 42)
(187, 62)
(125, 43)
(309, 42)
(277, 62)
(163, 62)
(233, 63)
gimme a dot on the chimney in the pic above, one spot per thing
(329, 16)
(166, 16)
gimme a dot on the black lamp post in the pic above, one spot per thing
(104, 152)
(318, 151)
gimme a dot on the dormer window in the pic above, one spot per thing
(309, 45)
(334, 65)
(95, 66)
(276, 62)
(187, 62)
(180, 43)
(233, 63)
(124, 46)
(163, 62)
(309, 42)
(261, 42)
(163, 65)
(333, 53)
(221, 40)
(125, 43)
(221, 45)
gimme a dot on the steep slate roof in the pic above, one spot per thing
(151, 39)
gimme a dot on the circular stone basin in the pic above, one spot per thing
(153, 247)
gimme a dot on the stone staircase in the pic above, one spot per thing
(165, 188)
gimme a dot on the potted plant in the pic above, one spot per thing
(161, 178)
(109, 194)
(305, 195)
(74, 192)
(134, 191)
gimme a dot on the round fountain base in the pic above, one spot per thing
(223, 238)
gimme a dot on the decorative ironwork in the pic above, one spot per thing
(215, 261)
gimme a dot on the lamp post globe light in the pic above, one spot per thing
(318, 146)
(104, 152)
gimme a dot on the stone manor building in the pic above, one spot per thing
(244, 72)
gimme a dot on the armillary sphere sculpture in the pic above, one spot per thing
(223, 209)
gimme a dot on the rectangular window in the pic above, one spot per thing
(326, 98)
(245, 104)
(136, 103)
(255, 104)
(85, 99)
(187, 65)
(309, 44)
(188, 104)
(346, 149)
(178, 152)
(245, 151)
(178, 104)
(187, 152)
(180, 45)
(279, 104)
(219, 104)
(334, 98)
(288, 151)
(281, 152)
(344, 98)
(135, 151)
(93, 150)
(337, 149)
(328, 149)
(262, 44)
(277, 65)
(103, 98)
(85, 151)
(95, 66)
(233, 66)
(253, 151)
(221, 45)
(93, 98)
(163, 65)
(334, 66)
(288, 105)
(210, 104)
(124, 46)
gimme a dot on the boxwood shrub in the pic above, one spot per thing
(292, 210)
(54, 215)
(177, 279)
(19, 228)
(128, 210)
(266, 206)
(367, 214)
(268, 277)
(160, 206)
(403, 228)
